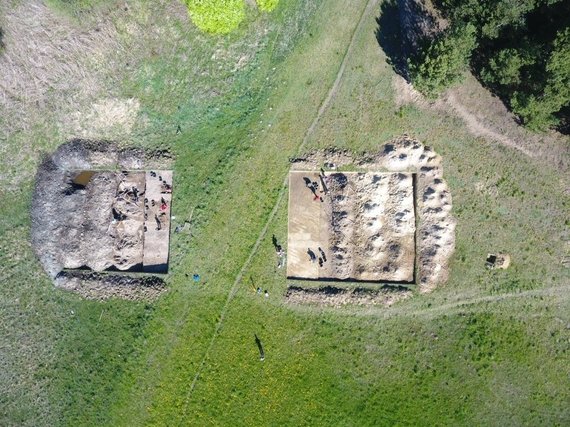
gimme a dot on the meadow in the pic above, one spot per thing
(488, 347)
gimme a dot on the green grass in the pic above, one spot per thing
(490, 347)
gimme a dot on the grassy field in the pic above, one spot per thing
(489, 347)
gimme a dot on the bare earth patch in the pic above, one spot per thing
(86, 218)
(434, 227)
(353, 226)
(99, 286)
(339, 297)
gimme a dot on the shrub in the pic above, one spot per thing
(538, 111)
(222, 16)
(444, 61)
(216, 16)
(505, 67)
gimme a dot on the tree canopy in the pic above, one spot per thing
(222, 16)
(520, 49)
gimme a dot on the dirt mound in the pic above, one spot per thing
(435, 228)
(100, 286)
(339, 297)
(85, 217)
(384, 245)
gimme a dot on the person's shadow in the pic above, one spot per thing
(260, 348)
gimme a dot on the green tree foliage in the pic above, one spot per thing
(216, 16)
(222, 16)
(505, 67)
(521, 53)
(444, 61)
(490, 16)
(538, 111)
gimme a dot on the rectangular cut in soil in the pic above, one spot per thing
(104, 222)
(114, 221)
(362, 230)
(157, 221)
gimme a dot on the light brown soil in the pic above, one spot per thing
(487, 117)
(362, 230)
(85, 218)
(435, 232)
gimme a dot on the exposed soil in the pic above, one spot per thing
(383, 246)
(435, 232)
(360, 226)
(339, 297)
(99, 286)
(88, 218)
(419, 20)
(486, 116)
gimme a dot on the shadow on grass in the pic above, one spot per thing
(389, 37)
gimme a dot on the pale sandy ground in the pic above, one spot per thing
(364, 226)
(435, 232)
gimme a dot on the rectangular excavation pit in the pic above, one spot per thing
(351, 226)
(120, 221)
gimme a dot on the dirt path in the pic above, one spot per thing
(366, 12)
(556, 291)
(479, 128)
(487, 117)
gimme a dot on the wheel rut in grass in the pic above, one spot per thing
(367, 11)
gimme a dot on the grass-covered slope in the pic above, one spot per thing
(489, 347)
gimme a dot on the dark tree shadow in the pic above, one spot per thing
(389, 37)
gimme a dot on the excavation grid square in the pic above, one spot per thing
(353, 226)
(117, 220)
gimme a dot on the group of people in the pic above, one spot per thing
(316, 188)
(162, 205)
(259, 291)
(321, 259)
(129, 195)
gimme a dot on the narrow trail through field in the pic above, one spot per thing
(480, 129)
(366, 12)
(555, 291)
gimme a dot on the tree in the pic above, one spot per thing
(520, 51)
(504, 68)
(444, 61)
(216, 16)
(538, 111)
(490, 16)
(222, 16)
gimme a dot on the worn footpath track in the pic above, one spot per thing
(366, 12)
